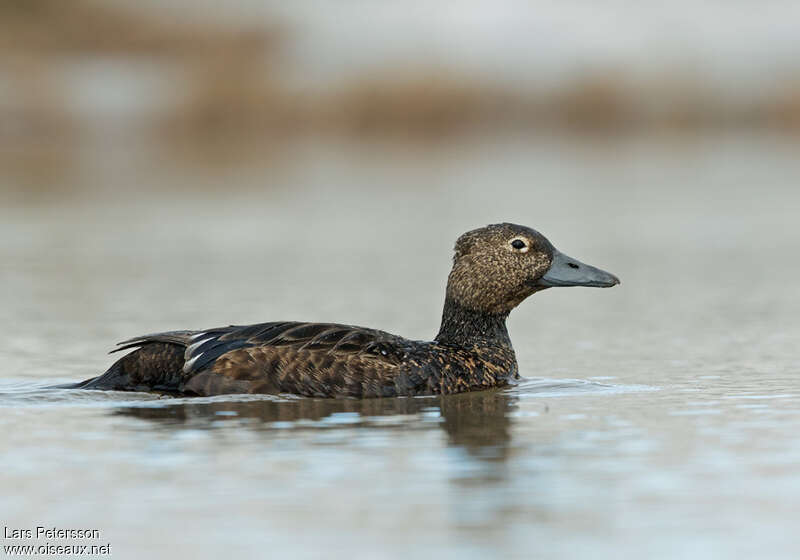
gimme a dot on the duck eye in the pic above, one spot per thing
(519, 244)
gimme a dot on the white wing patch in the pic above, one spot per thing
(198, 340)
(189, 363)
(195, 345)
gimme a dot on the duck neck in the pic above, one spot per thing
(467, 328)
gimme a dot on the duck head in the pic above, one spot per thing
(496, 267)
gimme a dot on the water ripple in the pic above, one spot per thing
(24, 392)
(545, 387)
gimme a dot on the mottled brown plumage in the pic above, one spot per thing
(494, 269)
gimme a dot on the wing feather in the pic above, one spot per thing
(325, 345)
(302, 337)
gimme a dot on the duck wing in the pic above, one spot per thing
(312, 359)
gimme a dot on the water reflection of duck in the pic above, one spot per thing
(477, 422)
(494, 269)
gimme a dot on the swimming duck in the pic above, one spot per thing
(494, 269)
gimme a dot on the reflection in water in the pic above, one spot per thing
(477, 422)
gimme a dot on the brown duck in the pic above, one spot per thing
(494, 269)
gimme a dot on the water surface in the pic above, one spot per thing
(658, 419)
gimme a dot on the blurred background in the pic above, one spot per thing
(187, 164)
(220, 139)
(179, 84)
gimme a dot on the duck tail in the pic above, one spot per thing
(80, 385)
(153, 366)
(156, 362)
(115, 377)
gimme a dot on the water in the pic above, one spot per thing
(658, 419)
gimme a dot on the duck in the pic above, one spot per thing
(495, 268)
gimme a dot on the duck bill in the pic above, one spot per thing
(566, 271)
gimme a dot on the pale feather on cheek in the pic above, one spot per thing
(492, 278)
